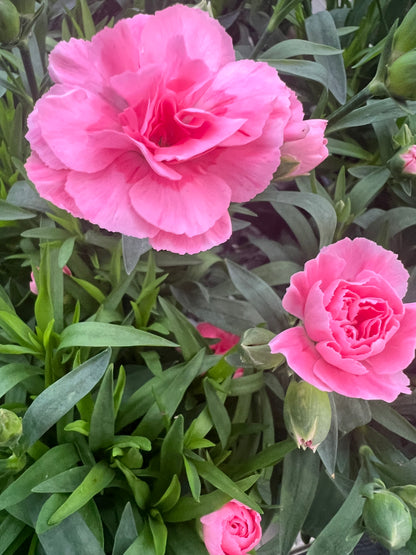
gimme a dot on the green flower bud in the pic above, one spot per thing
(10, 428)
(9, 22)
(407, 493)
(256, 351)
(405, 37)
(401, 76)
(307, 414)
(387, 519)
(25, 6)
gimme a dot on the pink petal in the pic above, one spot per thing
(81, 113)
(182, 244)
(38, 143)
(90, 64)
(399, 351)
(310, 149)
(300, 354)
(50, 184)
(103, 198)
(249, 90)
(322, 270)
(214, 45)
(368, 386)
(330, 353)
(190, 207)
(316, 319)
(362, 254)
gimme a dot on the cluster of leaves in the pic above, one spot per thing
(132, 428)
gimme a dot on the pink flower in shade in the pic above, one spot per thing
(357, 336)
(303, 140)
(409, 159)
(226, 341)
(152, 129)
(34, 288)
(232, 530)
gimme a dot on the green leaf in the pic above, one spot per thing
(19, 332)
(87, 21)
(159, 532)
(260, 295)
(185, 333)
(10, 529)
(171, 454)
(318, 207)
(133, 248)
(218, 413)
(343, 532)
(299, 482)
(351, 413)
(98, 334)
(183, 539)
(376, 110)
(61, 396)
(301, 68)
(170, 497)
(320, 28)
(10, 212)
(64, 482)
(268, 457)
(246, 384)
(98, 478)
(62, 539)
(54, 461)
(193, 478)
(345, 148)
(297, 47)
(14, 373)
(126, 531)
(65, 251)
(188, 508)
(221, 481)
(229, 314)
(385, 415)
(153, 422)
(102, 418)
(91, 289)
(367, 189)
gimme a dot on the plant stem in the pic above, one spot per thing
(30, 73)
(354, 102)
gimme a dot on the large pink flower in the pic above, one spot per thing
(357, 335)
(232, 530)
(153, 128)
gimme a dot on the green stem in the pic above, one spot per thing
(30, 73)
(354, 102)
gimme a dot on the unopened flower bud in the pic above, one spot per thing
(404, 162)
(25, 6)
(10, 428)
(401, 76)
(405, 37)
(9, 22)
(407, 493)
(307, 414)
(387, 519)
(256, 351)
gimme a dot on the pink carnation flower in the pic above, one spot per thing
(232, 530)
(409, 159)
(226, 341)
(153, 128)
(357, 336)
